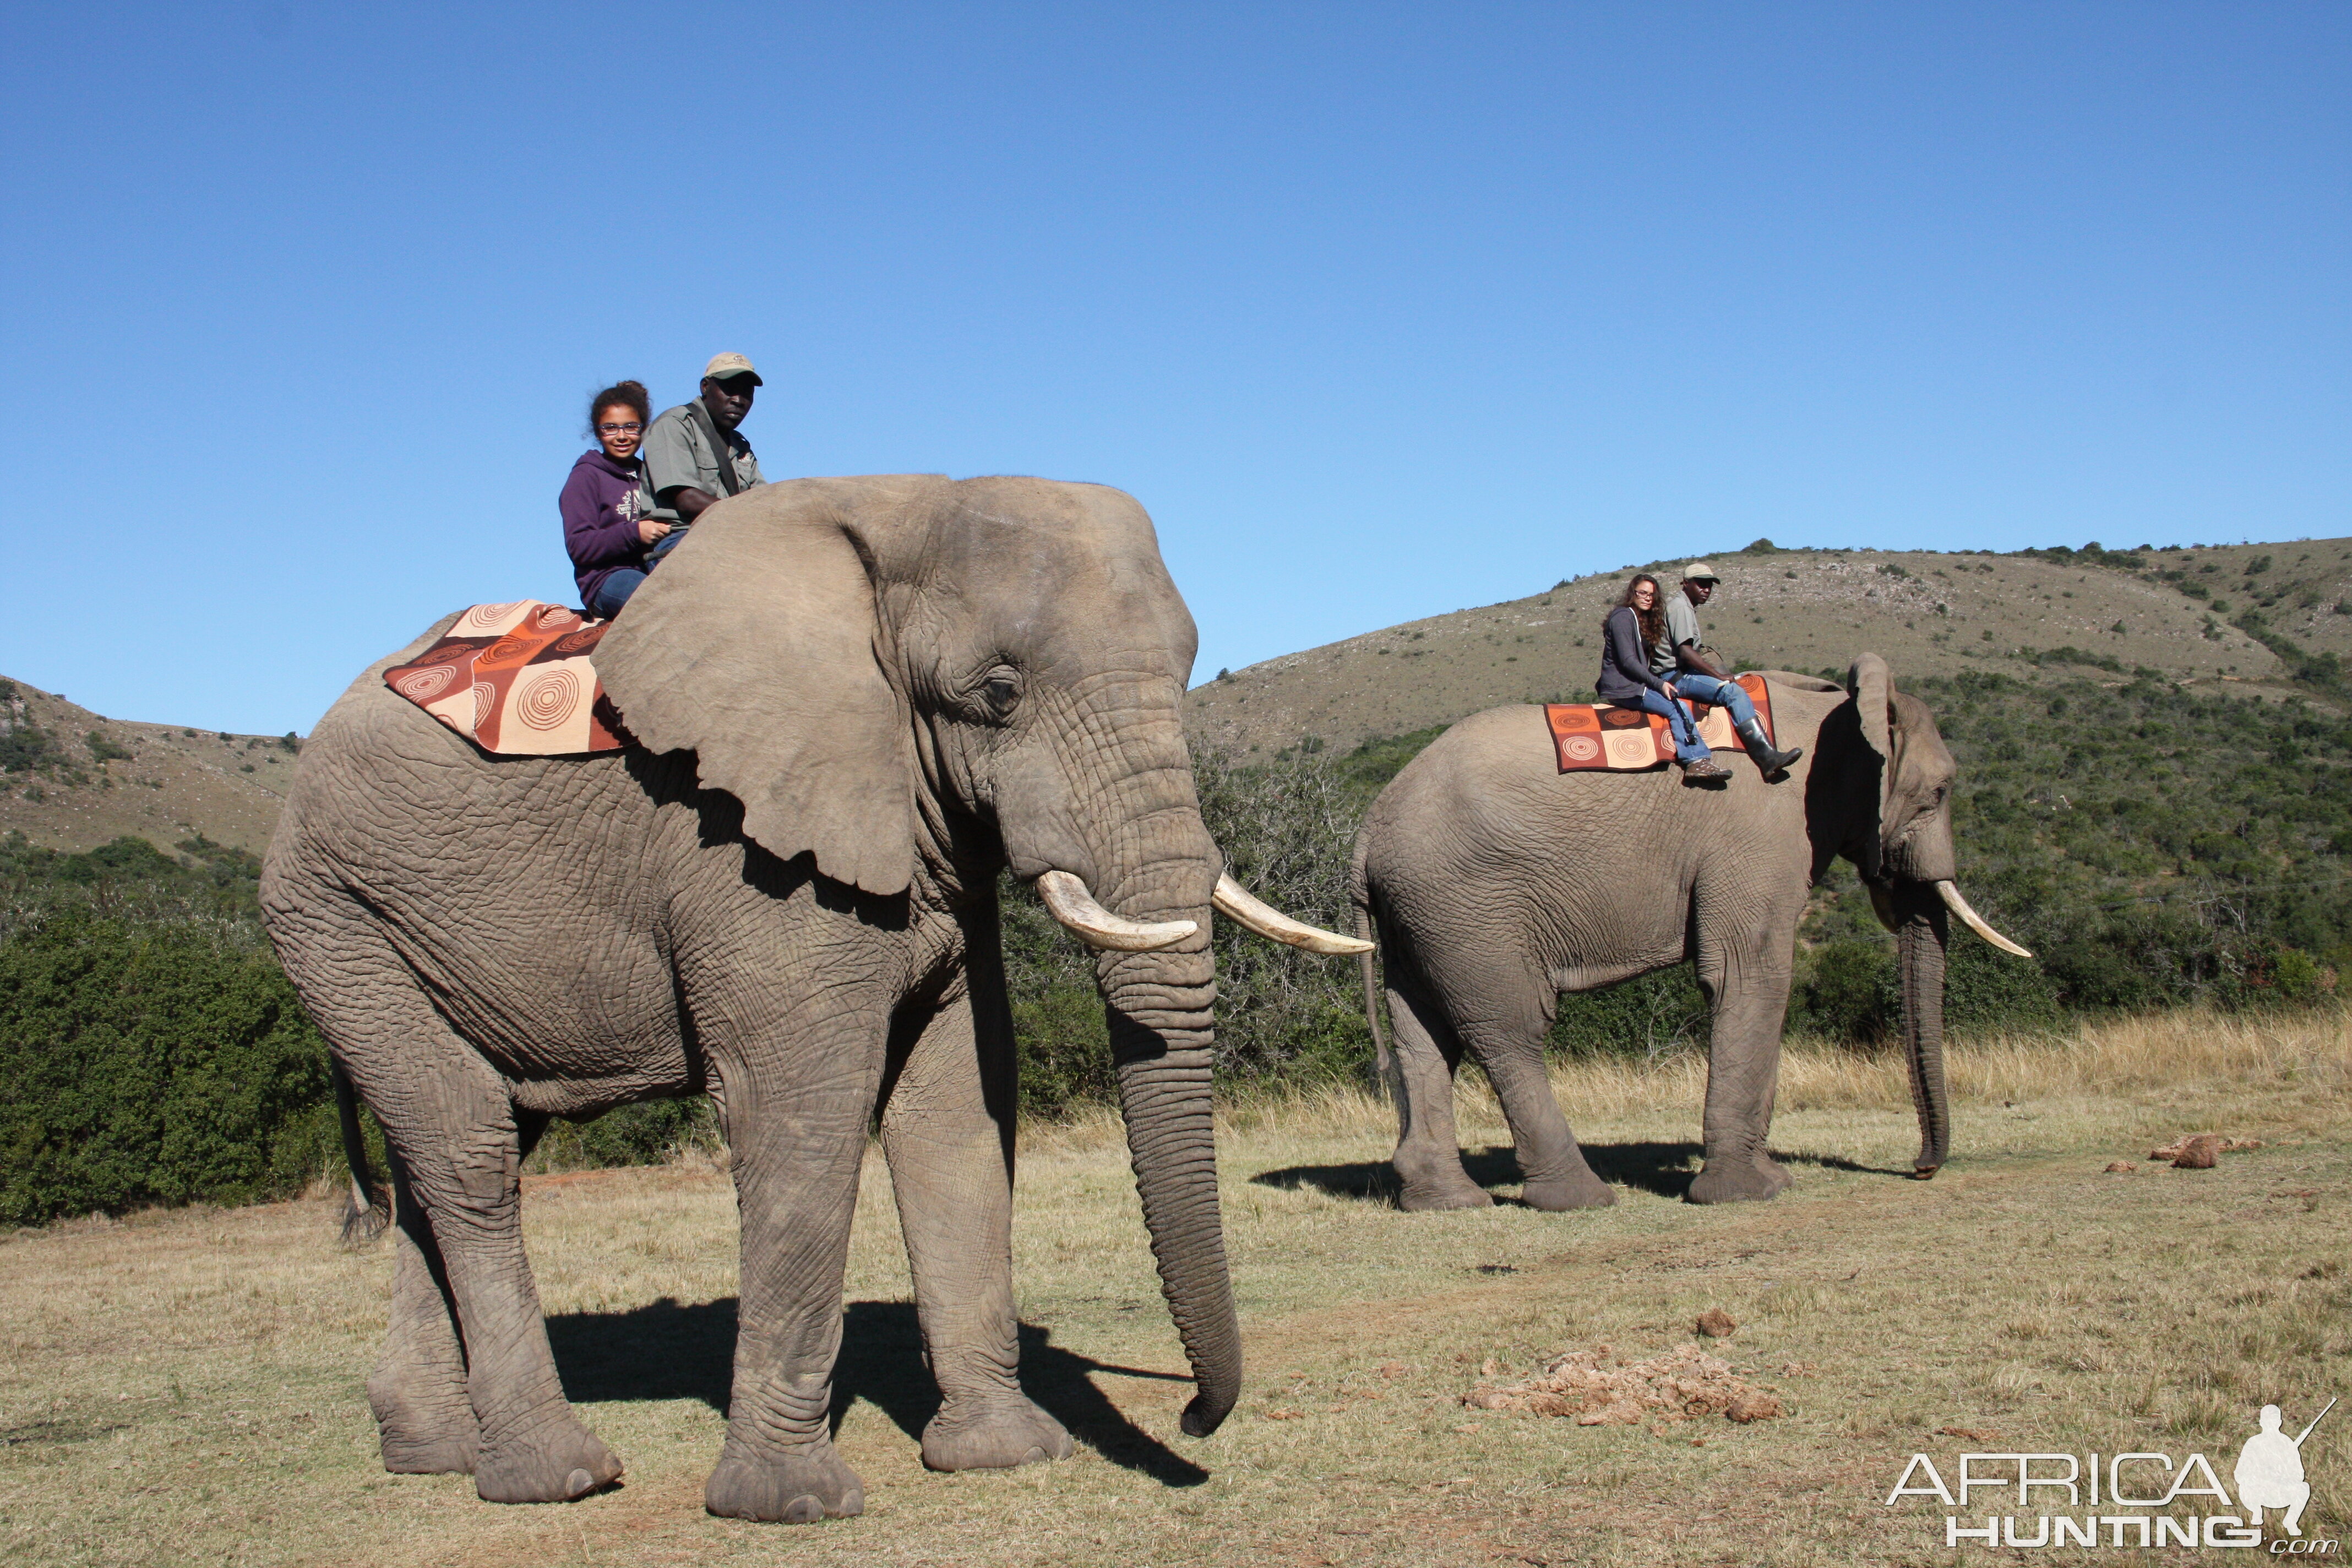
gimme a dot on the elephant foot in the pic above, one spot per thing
(1738, 1181)
(1578, 1189)
(550, 1465)
(1420, 1198)
(423, 1437)
(1442, 1185)
(996, 1435)
(799, 1488)
(443, 1456)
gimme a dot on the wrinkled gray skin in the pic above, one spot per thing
(858, 700)
(1497, 882)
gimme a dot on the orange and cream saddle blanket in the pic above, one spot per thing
(1603, 737)
(517, 681)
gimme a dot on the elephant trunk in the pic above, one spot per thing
(1132, 872)
(1922, 934)
(1162, 1037)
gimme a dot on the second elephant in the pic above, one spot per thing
(1495, 883)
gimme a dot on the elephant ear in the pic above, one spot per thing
(1874, 709)
(756, 646)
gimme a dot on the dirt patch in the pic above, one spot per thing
(1598, 1388)
(2202, 1151)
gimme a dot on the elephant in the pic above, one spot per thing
(850, 705)
(1494, 883)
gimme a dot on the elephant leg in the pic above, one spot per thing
(1511, 1049)
(417, 1390)
(454, 1134)
(1428, 1157)
(1746, 982)
(796, 1121)
(948, 1135)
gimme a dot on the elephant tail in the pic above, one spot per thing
(368, 1211)
(1368, 930)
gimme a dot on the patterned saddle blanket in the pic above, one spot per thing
(1589, 737)
(516, 679)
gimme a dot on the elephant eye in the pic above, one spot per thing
(1000, 691)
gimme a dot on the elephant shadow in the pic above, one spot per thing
(667, 1351)
(1666, 1169)
(1663, 1168)
(1375, 1181)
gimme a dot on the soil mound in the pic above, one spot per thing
(1598, 1388)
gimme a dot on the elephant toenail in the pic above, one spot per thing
(1035, 1456)
(803, 1511)
(577, 1482)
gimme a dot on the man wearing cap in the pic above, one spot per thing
(695, 454)
(1678, 656)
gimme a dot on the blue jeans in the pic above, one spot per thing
(1721, 694)
(1689, 747)
(613, 592)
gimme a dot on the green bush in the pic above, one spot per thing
(1850, 989)
(642, 1134)
(25, 747)
(1650, 1015)
(1288, 830)
(148, 1065)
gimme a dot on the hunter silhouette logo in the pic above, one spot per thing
(2132, 1499)
(2270, 1472)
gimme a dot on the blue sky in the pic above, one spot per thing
(1382, 311)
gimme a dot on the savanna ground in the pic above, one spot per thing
(186, 1387)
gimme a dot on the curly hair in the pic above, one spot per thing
(1654, 619)
(628, 394)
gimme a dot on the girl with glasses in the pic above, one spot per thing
(607, 503)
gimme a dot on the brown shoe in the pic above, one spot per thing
(1705, 771)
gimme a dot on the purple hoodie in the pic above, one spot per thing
(602, 504)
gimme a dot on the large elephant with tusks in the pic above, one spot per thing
(1495, 883)
(854, 703)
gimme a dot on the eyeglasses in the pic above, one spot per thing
(631, 428)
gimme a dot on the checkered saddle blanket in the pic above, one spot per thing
(1601, 737)
(516, 679)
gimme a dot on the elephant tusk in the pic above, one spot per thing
(1237, 904)
(1882, 904)
(1068, 901)
(1960, 906)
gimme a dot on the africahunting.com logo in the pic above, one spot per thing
(2141, 1494)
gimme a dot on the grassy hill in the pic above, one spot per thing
(72, 780)
(2237, 618)
(2259, 618)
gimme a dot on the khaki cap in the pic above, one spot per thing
(721, 366)
(1700, 572)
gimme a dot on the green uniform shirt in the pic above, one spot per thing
(1681, 627)
(676, 454)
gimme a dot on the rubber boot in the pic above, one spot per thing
(1774, 765)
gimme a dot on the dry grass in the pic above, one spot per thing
(186, 1387)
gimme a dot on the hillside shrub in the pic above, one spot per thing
(26, 747)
